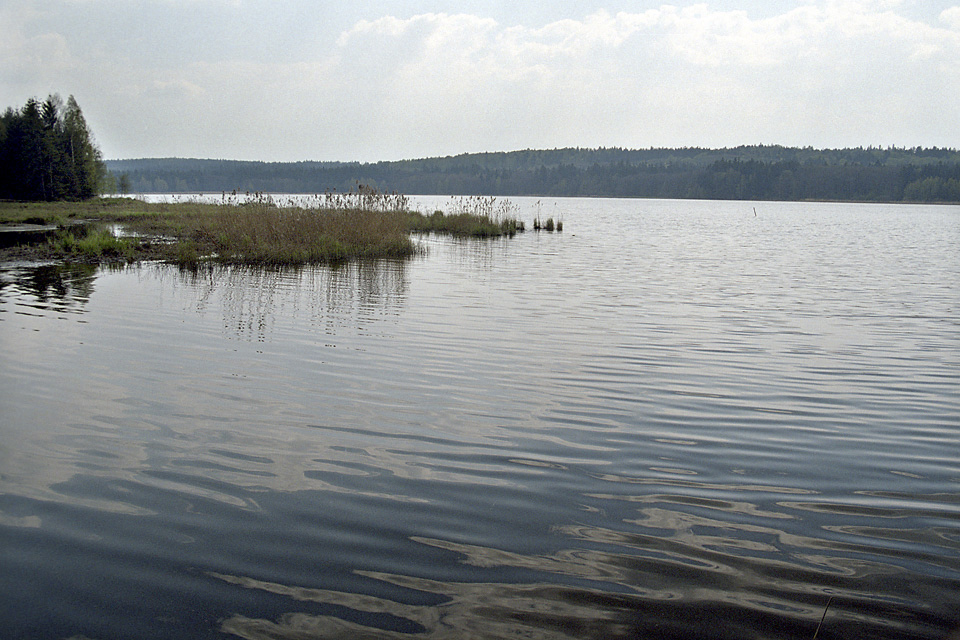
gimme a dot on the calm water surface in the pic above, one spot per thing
(672, 420)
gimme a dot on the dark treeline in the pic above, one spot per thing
(47, 153)
(749, 173)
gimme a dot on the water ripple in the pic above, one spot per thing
(660, 423)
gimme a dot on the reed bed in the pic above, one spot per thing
(245, 229)
(262, 233)
(476, 216)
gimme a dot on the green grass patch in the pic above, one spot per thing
(63, 212)
(91, 243)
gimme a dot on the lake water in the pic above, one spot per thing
(675, 419)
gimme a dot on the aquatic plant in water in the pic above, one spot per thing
(258, 229)
(549, 225)
(476, 216)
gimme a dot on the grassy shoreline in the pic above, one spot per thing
(331, 228)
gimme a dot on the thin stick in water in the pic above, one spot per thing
(822, 618)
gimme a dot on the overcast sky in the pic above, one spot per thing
(384, 80)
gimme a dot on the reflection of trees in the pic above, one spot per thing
(253, 298)
(60, 287)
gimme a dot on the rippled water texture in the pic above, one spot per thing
(672, 420)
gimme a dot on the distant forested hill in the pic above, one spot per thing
(748, 173)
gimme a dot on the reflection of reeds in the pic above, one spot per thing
(252, 296)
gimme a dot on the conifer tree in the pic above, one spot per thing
(47, 152)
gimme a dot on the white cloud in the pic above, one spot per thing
(826, 73)
(836, 69)
(951, 17)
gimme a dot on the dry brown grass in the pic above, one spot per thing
(261, 233)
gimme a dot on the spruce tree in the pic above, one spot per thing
(47, 152)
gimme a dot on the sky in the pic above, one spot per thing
(387, 80)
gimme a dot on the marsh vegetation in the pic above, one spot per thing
(256, 229)
(546, 225)
(476, 216)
